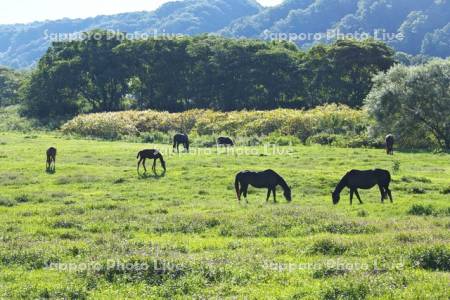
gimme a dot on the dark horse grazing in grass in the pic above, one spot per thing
(267, 179)
(150, 154)
(390, 144)
(225, 141)
(180, 138)
(355, 180)
(51, 159)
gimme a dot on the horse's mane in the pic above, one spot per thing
(283, 183)
(341, 185)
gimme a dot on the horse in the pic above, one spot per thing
(356, 179)
(51, 159)
(150, 154)
(390, 144)
(225, 141)
(267, 179)
(180, 138)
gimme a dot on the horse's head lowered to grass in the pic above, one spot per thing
(288, 194)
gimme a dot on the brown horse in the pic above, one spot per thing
(150, 154)
(267, 179)
(180, 138)
(355, 180)
(51, 160)
(390, 144)
(225, 141)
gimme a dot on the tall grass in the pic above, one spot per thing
(333, 120)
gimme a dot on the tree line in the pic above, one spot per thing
(10, 82)
(106, 72)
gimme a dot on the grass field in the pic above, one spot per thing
(94, 229)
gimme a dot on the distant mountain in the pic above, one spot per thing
(414, 27)
(22, 45)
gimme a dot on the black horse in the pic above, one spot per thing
(150, 154)
(267, 179)
(355, 180)
(51, 159)
(390, 144)
(225, 141)
(180, 138)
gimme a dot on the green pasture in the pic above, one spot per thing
(95, 229)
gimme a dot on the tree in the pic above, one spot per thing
(9, 86)
(78, 76)
(342, 72)
(413, 102)
(106, 72)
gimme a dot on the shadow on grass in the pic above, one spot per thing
(50, 171)
(153, 175)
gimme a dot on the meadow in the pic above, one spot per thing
(95, 229)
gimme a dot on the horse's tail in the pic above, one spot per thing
(236, 187)
(138, 155)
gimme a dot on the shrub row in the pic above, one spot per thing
(325, 125)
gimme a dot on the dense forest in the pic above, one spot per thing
(105, 74)
(423, 25)
(10, 82)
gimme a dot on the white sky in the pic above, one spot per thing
(24, 11)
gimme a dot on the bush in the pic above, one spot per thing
(445, 191)
(421, 210)
(7, 202)
(330, 271)
(417, 190)
(346, 290)
(22, 198)
(328, 247)
(154, 137)
(10, 120)
(281, 140)
(281, 126)
(436, 258)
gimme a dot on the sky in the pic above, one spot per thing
(25, 11)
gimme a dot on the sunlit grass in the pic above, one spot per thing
(198, 241)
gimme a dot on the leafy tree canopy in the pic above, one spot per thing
(110, 74)
(414, 103)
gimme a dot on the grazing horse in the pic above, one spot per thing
(180, 138)
(51, 159)
(225, 141)
(150, 154)
(267, 179)
(355, 180)
(390, 144)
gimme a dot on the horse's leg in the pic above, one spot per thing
(351, 196)
(389, 194)
(357, 196)
(154, 165)
(382, 192)
(268, 194)
(274, 191)
(143, 163)
(245, 190)
(139, 164)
